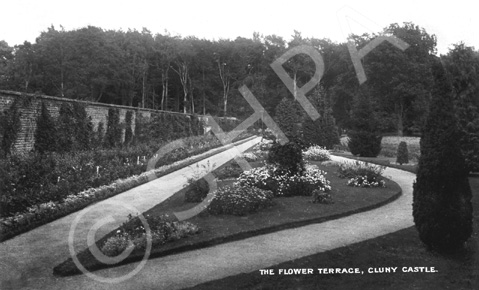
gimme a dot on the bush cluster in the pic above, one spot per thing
(287, 157)
(133, 234)
(357, 168)
(283, 183)
(317, 153)
(240, 200)
(197, 190)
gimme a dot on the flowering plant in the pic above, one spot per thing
(316, 153)
(240, 200)
(284, 183)
(364, 181)
(133, 234)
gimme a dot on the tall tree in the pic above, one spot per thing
(462, 64)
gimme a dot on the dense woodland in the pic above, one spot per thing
(192, 75)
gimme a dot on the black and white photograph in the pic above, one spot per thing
(216, 145)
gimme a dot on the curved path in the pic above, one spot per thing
(195, 267)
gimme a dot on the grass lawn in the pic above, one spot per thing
(389, 147)
(286, 213)
(399, 249)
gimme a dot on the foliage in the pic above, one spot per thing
(321, 197)
(231, 170)
(65, 128)
(288, 157)
(83, 133)
(128, 130)
(288, 115)
(442, 206)
(240, 200)
(402, 154)
(322, 131)
(317, 153)
(357, 168)
(46, 132)
(366, 181)
(364, 138)
(113, 129)
(9, 127)
(197, 190)
(133, 234)
(283, 183)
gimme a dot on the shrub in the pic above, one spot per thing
(321, 197)
(229, 171)
(197, 190)
(45, 133)
(240, 200)
(322, 131)
(83, 131)
(66, 127)
(364, 138)
(282, 183)
(10, 125)
(366, 181)
(317, 153)
(442, 208)
(113, 129)
(288, 115)
(357, 168)
(128, 130)
(133, 233)
(364, 144)
(288, 157)
(115, 245)
(402, 154)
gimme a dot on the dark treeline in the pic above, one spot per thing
(192, 75)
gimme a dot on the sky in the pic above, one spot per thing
(24, 20)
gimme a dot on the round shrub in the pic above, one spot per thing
(197, 190)
(364, 144)
(240, 200)
(402, 154)
(288, 157)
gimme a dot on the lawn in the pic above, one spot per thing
(286, 213)
(399, 249)
(389, 146)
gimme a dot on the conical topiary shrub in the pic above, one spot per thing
(46, 132)
(364, 138)
(442, 206)
(402, 154)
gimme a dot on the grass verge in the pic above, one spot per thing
(288, 212)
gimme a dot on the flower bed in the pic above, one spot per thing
(44, 212)
(361, 174)
(133, 234)
(240, 200)
(286, 213)
(316, 153)
(283, 183)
